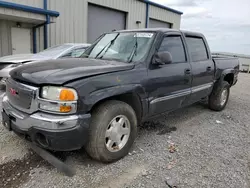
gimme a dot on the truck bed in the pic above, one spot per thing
(221, 63)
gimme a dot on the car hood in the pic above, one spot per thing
(21, 58)
(58, 72)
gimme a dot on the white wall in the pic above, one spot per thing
(33, 3)
(5, 47)
(71, 25)
(5, 36)
(165, 16)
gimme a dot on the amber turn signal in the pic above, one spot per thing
(67, 95)
(65, 109)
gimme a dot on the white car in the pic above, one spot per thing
(8, 63)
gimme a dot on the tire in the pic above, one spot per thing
(215, 101)
(102, 117)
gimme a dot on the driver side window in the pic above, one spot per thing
(174, 45)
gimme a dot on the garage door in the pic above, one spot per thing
(101, 20)
(158, 24)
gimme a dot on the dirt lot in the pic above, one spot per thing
(209, 149)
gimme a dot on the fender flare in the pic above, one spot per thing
(99, 95)
(224, 73)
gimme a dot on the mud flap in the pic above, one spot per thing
(62, 167)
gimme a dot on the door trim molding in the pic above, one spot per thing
(201, 87)
(183, 93)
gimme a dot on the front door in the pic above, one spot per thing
(21, 40)
(169, 85)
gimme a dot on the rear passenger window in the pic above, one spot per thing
(174, 45)
(197, 48)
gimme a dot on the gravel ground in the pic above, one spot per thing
(192, 147)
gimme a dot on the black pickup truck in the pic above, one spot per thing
(123, 79)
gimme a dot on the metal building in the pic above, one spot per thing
(243, 59)
(32, 25)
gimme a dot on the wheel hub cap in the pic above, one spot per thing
(223, 98)
(117, 133)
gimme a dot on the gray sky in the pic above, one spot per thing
(225, 23)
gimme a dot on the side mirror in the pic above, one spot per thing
(162, 58)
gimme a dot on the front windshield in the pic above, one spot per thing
(55, 50)
(124, 47)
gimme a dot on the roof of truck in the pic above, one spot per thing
(163, 30)
(148, 30)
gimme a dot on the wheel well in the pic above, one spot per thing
(229, 78)
(131, 99)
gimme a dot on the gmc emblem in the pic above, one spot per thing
(13, 91)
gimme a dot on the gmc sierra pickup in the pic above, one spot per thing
(123, 79)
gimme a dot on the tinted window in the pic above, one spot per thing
(197, 48)
(174, 45)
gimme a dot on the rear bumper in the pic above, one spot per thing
(53, 132)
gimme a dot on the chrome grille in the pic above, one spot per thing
(21, 96)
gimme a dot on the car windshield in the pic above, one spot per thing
(75, 53)
(124, 47)
(78, 52)
(55, 50)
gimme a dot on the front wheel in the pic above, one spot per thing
(219, 96)
(113, 130)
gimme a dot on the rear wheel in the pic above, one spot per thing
(219, 96)
(113, 130)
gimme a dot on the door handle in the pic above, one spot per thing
(209, 68)
(187, 71)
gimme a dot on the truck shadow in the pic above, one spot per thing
(168, 122)
(164, 124)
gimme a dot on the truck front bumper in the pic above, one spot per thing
(49, 131)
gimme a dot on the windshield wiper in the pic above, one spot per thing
(134, 51)
(107, 47)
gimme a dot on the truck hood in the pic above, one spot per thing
(58, 72)
(21, 58)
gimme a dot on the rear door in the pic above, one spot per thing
(202, 67)
(169, 85)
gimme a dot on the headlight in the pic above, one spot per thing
(58, 93)
(58, 99)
